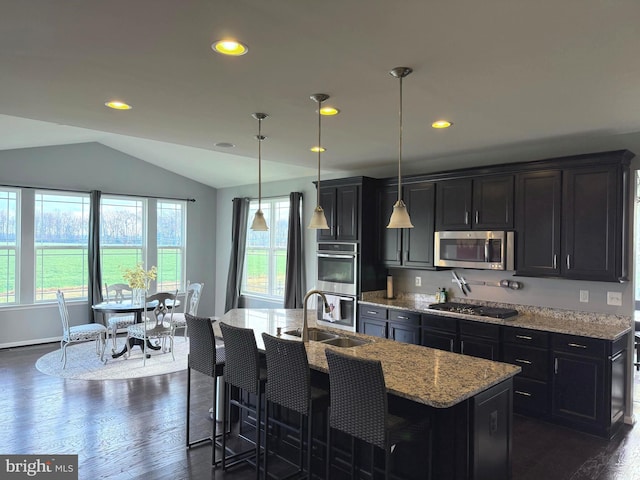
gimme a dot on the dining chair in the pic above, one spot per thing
(359, 407)
(117, 293)
(79, 333)
(244, 371)
(191, 302)
(208, 358)
(289, 385)
(156, 322)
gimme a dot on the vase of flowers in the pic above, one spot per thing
(139, 279)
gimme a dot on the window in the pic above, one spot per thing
(171, 246)
(122, 227)
(9, 214)
(266, 252)
(124, 234)
(61, 239)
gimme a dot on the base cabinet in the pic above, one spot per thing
(589, 378)
(480, 340)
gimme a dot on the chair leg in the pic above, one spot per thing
(327, 467)
(309, 441)
(173, 355)
(103, 341)
(188, 400)
(64, 356)
(266, 438)
(258, 434)
(225, 416)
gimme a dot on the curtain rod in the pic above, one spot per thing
(104, 193)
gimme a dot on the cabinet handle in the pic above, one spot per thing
(338, 230)
(576, 345)
(555, 366)
(568, 262)
(466, 217)
(451, 345)
(616, 357)
(525, 394)
(524, 337)
(369, 312)
(520, 360)
(462, 347)
(555, 261)
(401, 317)
(477, 216)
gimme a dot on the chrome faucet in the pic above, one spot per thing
(305, 326)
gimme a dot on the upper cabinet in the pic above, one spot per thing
(342, 208)
(407, 247)
(572, 222)
(481, 203)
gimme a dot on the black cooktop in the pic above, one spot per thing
(493, 312)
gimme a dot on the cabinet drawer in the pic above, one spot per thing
(533, 361)
(592, 347)
(373, 311)
(408, 318)
(530, 396)
(438, 322)
(479, 329)
(524, 336)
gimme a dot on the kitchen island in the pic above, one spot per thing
(469, 400)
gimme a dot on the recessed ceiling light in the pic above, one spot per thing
(441, 124)
(117, 105)
(329, 111)
(318, 149)
(230, 47)
(224, 145)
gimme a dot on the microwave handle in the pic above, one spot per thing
(486, 251)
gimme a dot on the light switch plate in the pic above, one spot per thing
(418, 281)
(584, 296)
(614, 298)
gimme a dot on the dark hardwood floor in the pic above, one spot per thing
(130, 429)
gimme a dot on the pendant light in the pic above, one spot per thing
(259, 224)
(318, 220)
(400, 216)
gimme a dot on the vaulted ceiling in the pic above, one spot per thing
(507, 73)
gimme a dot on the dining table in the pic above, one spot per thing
(137, 309)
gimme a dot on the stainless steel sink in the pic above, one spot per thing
(315, 334)
(345, 342)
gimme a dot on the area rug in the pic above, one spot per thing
(84, 364)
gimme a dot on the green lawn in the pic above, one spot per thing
(67, 269)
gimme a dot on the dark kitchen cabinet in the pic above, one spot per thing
(573, 222)
(439, 332)
(538, 217)
(373, 321)
(528, 349)
(408, 247)
(589, 378)
(482, 203)
(479, 339)
(399, 325)
(341, 207)
(592, 216)
(404, 326)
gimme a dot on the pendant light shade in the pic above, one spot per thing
(400, 216)
(319, 220)
(259, 224)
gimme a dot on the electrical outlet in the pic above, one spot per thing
(418, 281)
(614, 298)
(584, 296)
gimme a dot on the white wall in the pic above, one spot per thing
(92, 166)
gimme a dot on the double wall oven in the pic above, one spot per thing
(338, 268)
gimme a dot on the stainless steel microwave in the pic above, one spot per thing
(486, 250)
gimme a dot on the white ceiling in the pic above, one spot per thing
(506, 72)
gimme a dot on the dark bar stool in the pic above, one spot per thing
(359, 408)
(207, 358)
(289, 385)
(242, 370)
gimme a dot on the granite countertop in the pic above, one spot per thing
(432, 377)
(606, 327)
